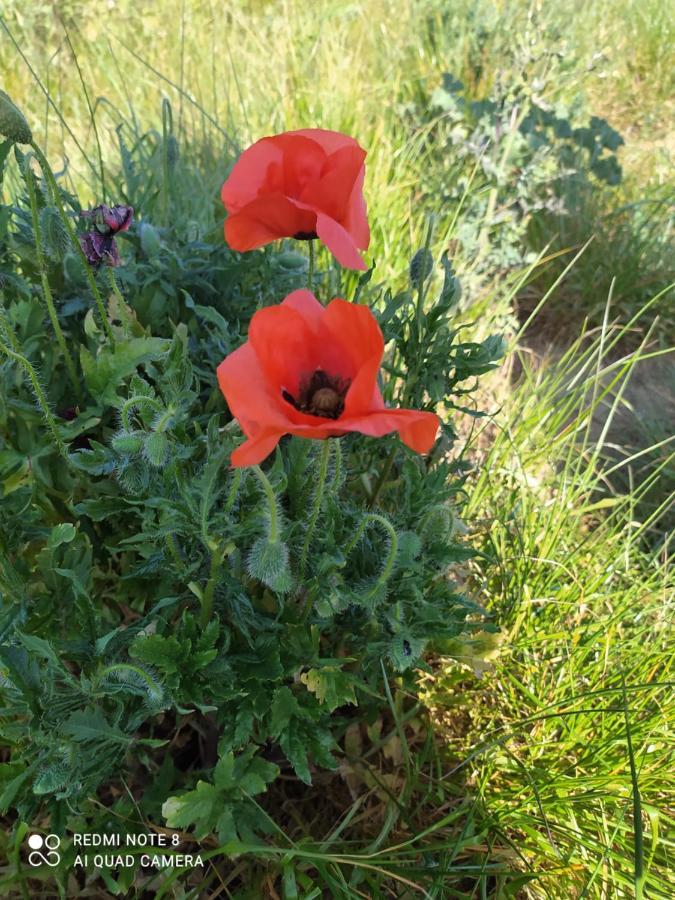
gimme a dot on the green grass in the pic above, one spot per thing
(549, 776)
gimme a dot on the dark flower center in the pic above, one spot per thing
(320, 394)
(305, 235)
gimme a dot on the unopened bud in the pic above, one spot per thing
(13, 124)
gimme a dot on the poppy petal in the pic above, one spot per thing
(248, 393)
(254, 450)
(417, 429)
(330, 141)
(339, 242)
(266, 219)
(331, 192)
(258, 170)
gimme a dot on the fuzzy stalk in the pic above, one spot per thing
(68, 225)
(316, 506)
(46, 288)
(388, 567)
(273, 530)
(40, 395)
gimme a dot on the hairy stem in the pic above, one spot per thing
(388, 567)
(137, 400)
(316, 506)
(46, 289)
(273, 533)
(40, 396)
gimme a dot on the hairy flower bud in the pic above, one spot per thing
(13, 124)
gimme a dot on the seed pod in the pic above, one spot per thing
(13, 124)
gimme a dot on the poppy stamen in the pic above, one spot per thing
(320, 394)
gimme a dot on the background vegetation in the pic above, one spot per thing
(539, 138)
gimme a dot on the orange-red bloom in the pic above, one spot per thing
(302, 184)
(312, 372)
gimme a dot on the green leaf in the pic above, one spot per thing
(330, 686)
(85, 726)
(106, 372)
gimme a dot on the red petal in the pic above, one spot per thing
(330, 141)
(264, 220)
(331, 191)
(259, 169)
(339, 242)
(253, 451)
(417, 429)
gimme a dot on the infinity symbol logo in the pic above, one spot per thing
(50, 857)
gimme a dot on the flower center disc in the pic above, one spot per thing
(320, 394)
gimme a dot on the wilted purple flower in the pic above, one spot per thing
(110, 219)
(99, 248)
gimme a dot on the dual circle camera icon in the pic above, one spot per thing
(44, 850)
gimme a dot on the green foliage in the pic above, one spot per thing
(147, 589)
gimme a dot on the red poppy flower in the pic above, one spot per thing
(302, 184)
(312, 372)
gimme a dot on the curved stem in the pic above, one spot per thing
(316, 506)
(273, 533)
(46, 288)
(40, 396)
(68, 225)
(136, 400)
(388, 567)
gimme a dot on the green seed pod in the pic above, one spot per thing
(13, 124)
(291, 260)
(127, 442)
(150, 240)
(156, 448)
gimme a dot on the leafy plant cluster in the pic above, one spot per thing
(168, 623)
(514, 164)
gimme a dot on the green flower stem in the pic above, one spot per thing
(68, 225)
(234, 490)
(46, 289)
(273, 533)
(40, 396)
(210, 589)
(7, 330)
(384, 474)
(137, 400)
(316, 506)
(337, 474)
(310, 273)
(388, 567)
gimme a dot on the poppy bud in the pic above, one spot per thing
(127, 442)
(150, 241)
(13, 124)
(268, 562)
(421, 265)
(156, 448)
